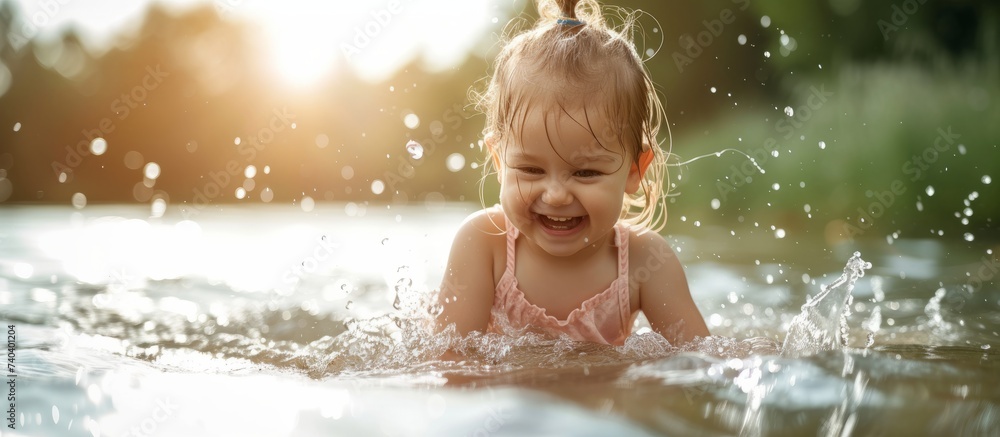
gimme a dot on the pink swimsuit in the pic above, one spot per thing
(604, 318)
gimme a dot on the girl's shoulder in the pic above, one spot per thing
(486, 226)
(648, 247)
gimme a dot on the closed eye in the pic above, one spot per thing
(530, 170)
(587, 173)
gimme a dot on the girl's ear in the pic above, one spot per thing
(491, 145)
(637, 171)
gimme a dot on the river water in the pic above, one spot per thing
(272, 321)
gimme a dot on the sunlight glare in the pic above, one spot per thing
(307, 40)
(301, 38)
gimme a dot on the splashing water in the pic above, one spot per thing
(822, 324)
(719, 155)
(379, 362)
(415, 150)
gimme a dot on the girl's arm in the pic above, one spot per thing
(665, 298)
(468, 286)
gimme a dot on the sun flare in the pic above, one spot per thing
(307, 41)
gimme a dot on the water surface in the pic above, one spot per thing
(267, 320)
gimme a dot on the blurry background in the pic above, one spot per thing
(874, 120)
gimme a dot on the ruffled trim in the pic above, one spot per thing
(581, 323)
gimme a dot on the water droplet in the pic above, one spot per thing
(961, 149)
(266, 195)
(775, 186)
(307, 203)
(930, 190)
(967, 212)
(79, 200)
(152, 170)
(741, 39)
(779, 233)
(378, 186)
(98, 146)
(969, 236)
(415, 150)
(767, 54)
(765, 21)
(55, 414)
(17, 126)
(807, 208)
(411, 120)
(158, 207)
(789, 111)
(241, 193)
(716, 203)
(455, 162)
(322, 140)
(775, 153)
(435, 309)
(250, 171)
(920, 206)
(133, 160)
(987, 179)
(822, 144)
(712, 89)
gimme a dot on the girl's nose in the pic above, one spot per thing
(555, 194)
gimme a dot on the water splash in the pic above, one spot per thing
(415, 150)
(822, 324)
(718, 155)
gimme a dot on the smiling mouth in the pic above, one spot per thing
(557, 223)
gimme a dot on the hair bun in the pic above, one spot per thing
(588, 11)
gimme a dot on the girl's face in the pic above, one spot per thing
(562, 181)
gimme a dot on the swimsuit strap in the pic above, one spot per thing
(621, 240)
(622, 231)
(511, 237)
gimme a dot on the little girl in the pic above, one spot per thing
(573, 248)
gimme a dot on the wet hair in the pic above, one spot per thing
(572, 59)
